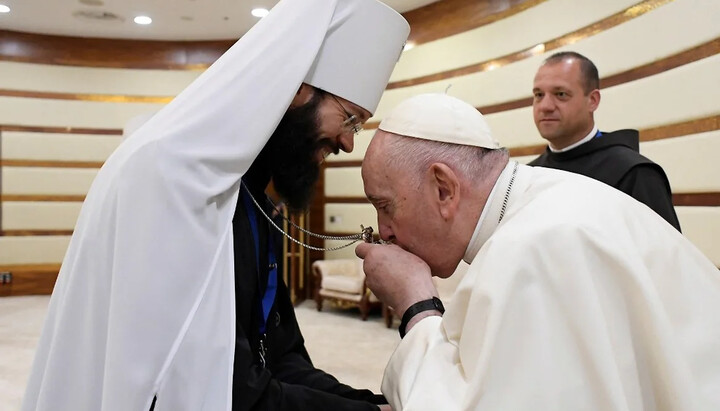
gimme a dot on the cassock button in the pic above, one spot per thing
(277, 319)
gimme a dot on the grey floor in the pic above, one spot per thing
(338, 341)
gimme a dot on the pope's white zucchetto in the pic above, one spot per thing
(439, 117)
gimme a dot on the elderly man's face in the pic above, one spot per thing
(406, 216)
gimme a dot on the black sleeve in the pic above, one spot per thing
(296, 369)
(297, 386)
(290, 381)
(317, 390)
(648, 184)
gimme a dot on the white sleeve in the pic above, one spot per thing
(504, 343)
(425, 369)
(568, 324)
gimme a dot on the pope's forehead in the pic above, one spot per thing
(375, 148)
(375, 159)
(380, 140)
(368, 164)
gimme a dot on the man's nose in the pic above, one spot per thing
(546, 104)
(385, 232)
(347, 141)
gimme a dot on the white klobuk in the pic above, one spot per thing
(144, 303)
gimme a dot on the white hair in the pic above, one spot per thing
(415, 155)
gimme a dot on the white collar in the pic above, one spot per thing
(492, 212)
(587, 138)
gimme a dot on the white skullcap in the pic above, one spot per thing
(439, 117)
(359, 52)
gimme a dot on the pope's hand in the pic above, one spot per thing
(397, 277)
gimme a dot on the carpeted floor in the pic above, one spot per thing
(338, 341)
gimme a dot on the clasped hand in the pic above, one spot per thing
(397, 277)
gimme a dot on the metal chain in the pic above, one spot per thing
(310, 233)
(354, 237)
(507, 193)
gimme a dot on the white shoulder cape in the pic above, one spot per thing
(144, 303)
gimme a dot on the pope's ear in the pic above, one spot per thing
(303, 95)
(446, 189)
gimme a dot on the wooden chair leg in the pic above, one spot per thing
(387, 315)
(319, 301)
(317, 277)
(364, 309)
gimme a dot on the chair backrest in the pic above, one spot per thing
(343, 275)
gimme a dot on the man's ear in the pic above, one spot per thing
(594, 100)
(303, 95)
(446, 189)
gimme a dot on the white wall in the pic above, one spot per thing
(684, 93)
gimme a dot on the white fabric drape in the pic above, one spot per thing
(580, 299)
(144, 303)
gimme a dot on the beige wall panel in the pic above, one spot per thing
(506, 83)
(23, 215)
(69, 113)
(642, 44)
(91, 80)
(685, 93)
(666, 98)
(701, 225)
(347, 252)
(690, 162)
(47, 180)
(505, 36)
(33, 250)
(515, 128)
(343, 182)
(349, 217)
(362, 140)
(660, 33)
(67, 147)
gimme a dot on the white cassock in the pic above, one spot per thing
(144, 303)
(579, 299)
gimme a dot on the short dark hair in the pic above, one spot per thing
(591, 79)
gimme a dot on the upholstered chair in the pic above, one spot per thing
(343, 282)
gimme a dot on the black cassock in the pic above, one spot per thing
(615, 159)
(288, 381)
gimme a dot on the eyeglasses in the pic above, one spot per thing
(351, 123)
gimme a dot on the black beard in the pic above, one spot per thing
(292, 154)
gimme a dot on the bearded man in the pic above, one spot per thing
(169, 297)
